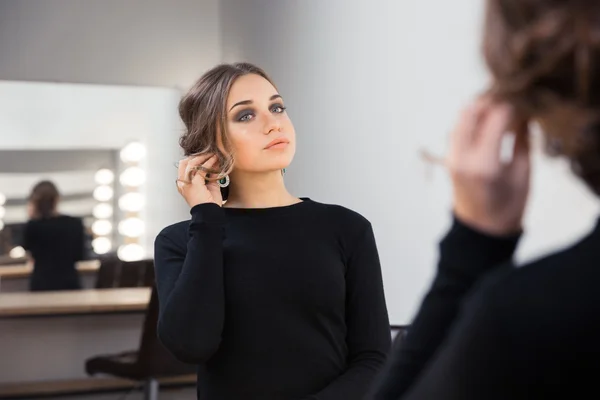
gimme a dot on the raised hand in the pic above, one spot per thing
(194, 182)
(489, 194)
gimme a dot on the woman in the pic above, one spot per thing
(54, 241)
(274, 297)
(487, 330)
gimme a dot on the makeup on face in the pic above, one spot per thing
(249, 113)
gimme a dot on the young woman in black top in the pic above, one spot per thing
(487, 330)
(54, 241)
(273, 296)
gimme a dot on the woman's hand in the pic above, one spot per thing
(192, 183)
(489, 195)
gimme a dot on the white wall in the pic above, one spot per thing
(133, 42)
(74, 116)
(368, 84)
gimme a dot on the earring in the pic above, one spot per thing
(283, 172)
(224, 181)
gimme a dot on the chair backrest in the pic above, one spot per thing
(153, 358)
(136, 273)
(115, 273)
(398, 334)
(108, 273)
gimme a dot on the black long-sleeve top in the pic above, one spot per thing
(487, 330)
(56, 244)
(282, 303)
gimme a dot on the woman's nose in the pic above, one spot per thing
(271, 125)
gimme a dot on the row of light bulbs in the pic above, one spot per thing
(131, 202)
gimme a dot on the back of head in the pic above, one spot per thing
(44, 199)
(544, 56)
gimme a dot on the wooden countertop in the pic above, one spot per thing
(21, 304)
(17, 271)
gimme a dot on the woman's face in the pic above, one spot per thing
(259, 129)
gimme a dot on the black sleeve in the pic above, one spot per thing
(189, 280)
(465, 256)
(368, 337)
(26, 236)
(462, 368)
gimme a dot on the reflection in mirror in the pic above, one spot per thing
(84, 180)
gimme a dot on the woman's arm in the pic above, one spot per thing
(189, 279)
(369, 336)
(465, 256)
(490, 196)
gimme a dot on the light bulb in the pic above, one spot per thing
(101, 245)
(103, 193)
(131, 252)
(2, 212)
(131, 227)
(1, 225)
(131, 202)
(17, 252)
(102, 211)
(133, 176)
(2, 199)
(104, 177)
(102, 227)
(133, 152)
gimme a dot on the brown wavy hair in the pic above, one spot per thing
(544, 56)
(44, 198)
(203, 111)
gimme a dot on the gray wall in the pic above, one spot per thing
(132, 42)
(368, 85)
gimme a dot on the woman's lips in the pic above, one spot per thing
(277, 144)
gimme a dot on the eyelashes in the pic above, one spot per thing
(248, 115)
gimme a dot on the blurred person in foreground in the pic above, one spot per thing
(55, 242)
(486, 329)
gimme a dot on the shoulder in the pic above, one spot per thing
(341, 216)
(347, 227)
(73, 220)
(549, 288)
(173, 236)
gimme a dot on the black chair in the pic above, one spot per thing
(146, 365)
(115, 273)
(398, 334)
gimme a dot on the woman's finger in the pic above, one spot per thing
(202, 170)
(522, 144)
(181, 168)
(494, 127)
(466, 129)
(193, 163)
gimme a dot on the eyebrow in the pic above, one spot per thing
(244, 102)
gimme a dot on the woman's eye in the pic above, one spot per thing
(245, 117)
(277, 108)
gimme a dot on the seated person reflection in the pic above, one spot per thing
(275, 297)
(54, 241)
(487, 329)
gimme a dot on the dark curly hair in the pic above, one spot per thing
(544, 56)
